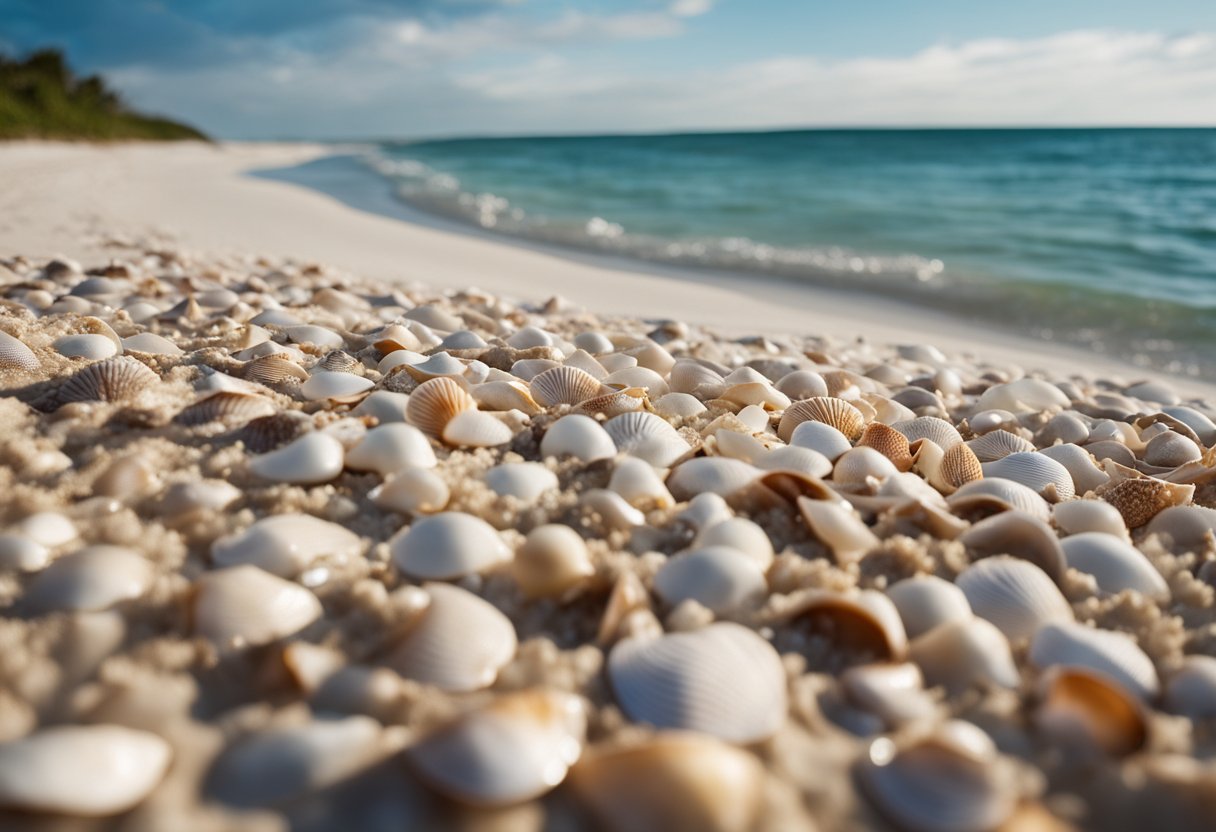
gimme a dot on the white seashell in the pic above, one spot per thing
(760, 393)
(84, 770)
(476, 429)
(1076, 516)
(696, 379)
(1153, 391)
(1169, 450)
(722, 680)
(89, 347)
(678, 406)
(1067, 428)
(754, 417)
(15, 355)
(151, 343)
(586, 362)
(525, 481)
(740, 534)
(646, 436)
(1081, 466)
(865, 621)
(649, 380)
(183, 499)
(719, 578)
(398, 358)
(436, 402)
(435, 317)
(314, 458)
(612, 508)
(744, 446)
(1203, 426)
(858, 465)
(327, 384)
(287, 544)
(802, 384)
(1014, 594)
(821, 438)
(986, 421)
(390, 448)
(1191, 690)
(529, 368)
(838, 528)
(19, 553)
(837, 413)
(963, 653)
(927, 601)
(1022, 395)
(1112, 653)
(318, 335)
(997, 444)
(50, 528)
(1017, 533)
(246, 606)
(1115, 564)
(893, 691)
(1001, 494)
(463, 340)
(1188, 526)
(505, 395)
(551, 561)
(95, 578)
(705, 511)
(795, 458)
(529, 337)
(639, 483)
(938, 431)
(719, 475)
(564, 385)
(578, 436)
(1038, 472)
(652, 356)
(514, 749)
(412, 491)
(447, 546)
(459, 643)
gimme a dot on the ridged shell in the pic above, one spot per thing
(1040, 473)
(1014, 594)
(927, 601)
(312, 459)
(459, 643)
(579, 436)
(838, 528)
(1115, 564)
(435, 402)
(938, 431)
(476, 429)
(226, 406)
(563, 385)
(889, 442)
(516, 748)
(646, 436)
(720, 475)
(387, 449)
(447, 546)
(1106, 651)
(15, 355)
(272, 370)
(998, 444)
(266, 433)
(717, 577)
(94, 578)
(246, 606)
(88, 347)
(112, 380)
(1080, 464)
(836, 413)
(551, 561)
(627, 401)
(1021, 535)
(964, 653)
(525, 481)
(722, 680)
(821, 438)
(1088, 710)
(1140, 500)
(287, 544)
(998, 494)
(960, 466)
(338, 361)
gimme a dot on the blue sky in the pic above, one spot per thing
(365, 68)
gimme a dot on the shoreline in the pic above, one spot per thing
(64, 199)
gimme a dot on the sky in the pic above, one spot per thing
(356, 69)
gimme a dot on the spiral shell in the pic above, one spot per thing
(836, 413)
(436, 402)
(563, 385)
(112, 380)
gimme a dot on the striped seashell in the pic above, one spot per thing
(435, 402)
(15, 355)
(266, 433)
(647, 437)
(998, 444)
(626, 401)
(960, 466)
(1115, 654)
(563, 385)
(889, 442)
(695, 378)
(1014, 594)
(112, 380)
(476, 429)
(226, 406)
(338, 361)
(272, 370)
(836, 413)
(1040, 473)
(1081, 466)
(1115, 564)
(1140, 500)
(997, 494)
(938, 431)
(1021, 535)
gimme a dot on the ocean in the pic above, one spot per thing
(1102, 238)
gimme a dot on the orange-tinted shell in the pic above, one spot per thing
(834, 412)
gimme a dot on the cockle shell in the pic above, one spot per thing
(647, 436)
(998, 494)
(448, 545)
(1106, 651)
(273, 369)
(938, 431)
(838, 528)
(15, 355)
(836, 413)
(244, 605)
(225, 406)
(551, 561)
(516, 748)
(889, 442)
(313, 458)
(959, 466)
(1021, 395)
(1115, 564)
(84, 770)
(336, 386)
(1021, 535)
(1082, 708)
(563, 385)
(926, 601)
(95, 578)
(998, 444)
(525, 481)
(286, 544)
(719, 578)
(1038, 472)
(338, 361)
(866, 622)
(722, 680)
(1080, 464)
(459, 643)
(112, 380)
(412, 491)
(1140, 500)
(387, 449)
(821, 438)
(965, 652)
(89, 347)
(739, 534)
(436, 402)
(1014, 594)
(578, 436)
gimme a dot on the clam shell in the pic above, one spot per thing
(794, 458)
(1115, 564)
(938, 431)
(639, 483)
(150, 343)
(703, 511)
(246, 606)
(1113, 654)
(612, 508)
(1203, 426)
(88, 347)
(448, 545)
(1038, 472)
(459, 643)
(803, 384)
(647, 436)
(960, 466)
(1022, 395)
(1014, 594)
(436, 402)
(836, 413)
(83, 770)
(697, 379)
(551, 561)
(19, 553)
(578, 436)
(95, 578)
(1017, 533)
(893, 691)
(50, 528)
(760, 393)
(112, 380)
(184, 499)
(1081, 708)
(927, 601)
(337, 386)
(225, 406)
(1080, 464)
(838, 528)
(505, 395)
(821, 438)
(1076, 516)
(313, 458)
(1188, 526)
(719, 578)
(525, 481)
(963, 653)
(526, 338)
(678, 406)
(1140, 500)
(1191, 690)
(1068, 428)
(649, 380)
(15, 355)
(287, 544)
(739, 534)
(861, 464)
(998, 444)
(273, 369)
(318, 335)
(412, 491)
(387, 449)
(476, 429)
(338, 361)
(563, 385)
(889, 442)
(865, 621)
(998, 494)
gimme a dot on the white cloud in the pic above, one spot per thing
(690, 8)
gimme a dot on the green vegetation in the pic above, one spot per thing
(40, 99)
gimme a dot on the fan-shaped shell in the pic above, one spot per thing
(998, 444)
(286, 544)
(273, 369)
(389, 448)
(1112, 653)
(889, 442)
(938, 431)
(836, 413)
(1014, 594)
(226, 406)
(448, 545)
(1080, 464)
(1115, 564)
(927, 601)
(1040, 473)
(246, 606)
(94, 578)
(436, 402)
(563, 385)
(722, 680)
(1140, 500)
(1021, 535)
(525, 481)
(821, 438)
(965, 652)
(112, 380)
(15, 355)
(579, 436)
(996, 493)
(959, 466)
(719, 578)
(647, 437)
(313, 458)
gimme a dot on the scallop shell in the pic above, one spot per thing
(927, 601)
(1081, 466)
(524, 481)
(1021, 535)
(82, 770)
(1081, 708)
(859, 465)
(1014, 594)
(836, 413)
(1140, 500)
(1111, 653)
(579, 436)
(387, 449)
(1022, 395)
(719, 578)
(865, 621)
(226, 406)
(889, 442)
(998, 494)
(436, 402)
(963, 653)
(722, 680)
(266, 433)
(1076, 516)
(95, 578)
(516, 748)
(551, 561)
(739, 534)
(88, 347)
(821, 438)
(1036, 471)
(563, 385)
(112, 380)
(476, 429)
(998, 444)
(459, 643)
(287, 544)
(15, 355)
(273, 369)
(448, 545)
(648, 437)
(246, 606)
(314, 458)
(1115, 564)
(938, 431)
(838, 528)
(412, 491)
(1191, 689)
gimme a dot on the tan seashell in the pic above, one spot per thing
(864, 622)
(112, 380)
(889, 442)
(1105, 651)
(579, 436)
(505, 395)
(927, 601)
(95, 578)
(1014, 594)
(628, 596)
(395, 337)
(1021, 535)
(563, 385)
(226, 406)
(647, 436)
(311, 459)
(436, 402)
(447, 546)
(246, 606)
(998, 444)
(836, 413)
(412, 491)
(1082, 708)
(938, 431)
(266, 433)
(718, 578)
(1115, 564)
(760, 393)
(960, 466)
(628, 400)
(1140, 500)
(838, 528)
(551, 561)
(287, 544)
(15, 355)
(963, 653)
(272, 370)
(126, 478)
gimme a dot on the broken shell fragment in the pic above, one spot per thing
(839, 528)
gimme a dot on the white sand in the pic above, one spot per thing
(64, 199)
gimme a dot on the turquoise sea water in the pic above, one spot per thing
(1098, 237)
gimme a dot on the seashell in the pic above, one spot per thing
(273, 369)
(1187, 526)
(82, 770)
(938, 431)
(95, 578)
(648, 437)
(1022, 395)
(926, 601)
(760, 393)
(838, 528)
(740, 534)
(49, 528)
(529, 368)
(316, 335)
(1191, 689)
(887, 411)
(594, 343)
(19, 553)
(150, 343)
(578, 436)
(1036, 471)
(524, 481)
(1081, 708)
(514, 749)
(1115, 564)
(1014, 594)
(89, 347)
(678, 406)
(245, 606)
(128, 477)
(338, 361)
(1078, 516)
(1081, 466)
(836, 413)
(919, 400)
(1153, 391)
(803, 384)
(1169, 450)
(1021, 535)
(866, 621)
(958, 467)
(280, 764)
(390, 448)
(412, 491)
(793, 458)
(622, 401)
(551, 561)
(585, 361)
(639, 484)
(704, 511)
(563, 385)
(184, 499)
(612, 508)
(394, 338)
(436, 402)
(15, 355)
(1114, 654)
(964, 653)
(652, 356)
(1204, 427)
(823, 439)
(997, 444)
(476, 429)
(997, 494)
(859, 465)
(719, 578)
(447, 546)
(696, 379)
(722, 680)
(1067, 428)
(266, 433)
(311, 459)
(945, 781)
(463, 340)
(528, 337)
(112, 380)
(1140, 500)
(505, 395)
(398, 358)
(889, 442)
(892, 691)
(228, 407)
(336, 386)
(287, 544)
(648, 380)
(458, 644)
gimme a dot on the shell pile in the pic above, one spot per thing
(285, 548)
